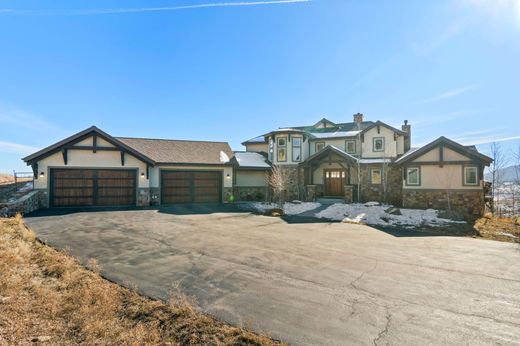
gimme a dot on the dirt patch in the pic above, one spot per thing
(501, 229)
(47, 296)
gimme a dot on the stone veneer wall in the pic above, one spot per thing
(370, 192)
(251, 193)
(228, 192)
(7, 189)
(293, 179)
(467, 203)
(143, 197)
(32, 201)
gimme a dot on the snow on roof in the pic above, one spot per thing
(251, 159)
(259, 139)
(375, 161)
(223, 157)
(335, 134)
(409, 152)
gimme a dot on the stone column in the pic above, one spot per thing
(311, 193)
(349, 193)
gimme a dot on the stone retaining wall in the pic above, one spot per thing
(7, 189)
(251, 193)
(32, 201)
(467, 203)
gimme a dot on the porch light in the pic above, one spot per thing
(228, 176)
(42, 174)
(142, 175)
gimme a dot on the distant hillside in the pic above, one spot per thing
(6, 178)
(507, 174)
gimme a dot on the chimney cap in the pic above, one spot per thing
(406, 122)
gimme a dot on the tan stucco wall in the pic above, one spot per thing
(446, 177)
(400, 145)
(450, 155)
(390, 143)
(257, 147)
(338, 143)
(432, 155)
(88, 159)
(251, 178)
(227, 182)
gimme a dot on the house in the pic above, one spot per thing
(373, 161)
(355, 161)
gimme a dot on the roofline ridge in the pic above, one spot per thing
(170, 139)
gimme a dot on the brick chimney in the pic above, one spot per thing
(358, 118)
(408, 138)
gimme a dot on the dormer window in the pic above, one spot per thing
(319, 146)
(378, 144)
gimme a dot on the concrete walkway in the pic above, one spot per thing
(310, 283)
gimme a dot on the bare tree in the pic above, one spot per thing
(445, 179)
(494, 169)
(278, 182)
(384, 174)
(515, 185)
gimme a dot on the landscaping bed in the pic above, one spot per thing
(47, 296)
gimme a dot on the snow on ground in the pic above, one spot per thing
(288, 208)
(373, 214)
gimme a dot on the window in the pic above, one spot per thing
(375, 176)
(470, 176)
(271, 149)
(282, 149)
(413, 176)
(319, 146)
(378, 144)
(350, 147)
(296, 149)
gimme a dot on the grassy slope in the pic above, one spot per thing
(6, 178)
(47, 294)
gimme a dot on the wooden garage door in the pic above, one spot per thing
(92, 187)
(191, 187)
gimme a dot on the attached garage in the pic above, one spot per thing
(191, 187)
(92, 187)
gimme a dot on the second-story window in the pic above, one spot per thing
(271, 149)
(378, 144)
(350, 146)
(296, 149)
(319, 146)
(282, 149)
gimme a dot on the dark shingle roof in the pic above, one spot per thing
(351, 126)
(180, 151)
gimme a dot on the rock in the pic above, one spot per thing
(41, 338)
(393, 211)
(372, 204)
(274, 212)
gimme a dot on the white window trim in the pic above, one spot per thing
(418, 183)
(346, 146)
(464, 176)
(278, 147)
(374, 144)
(296, 147)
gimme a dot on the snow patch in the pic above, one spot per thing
(374, 214)
(223, 157)
(288, 208)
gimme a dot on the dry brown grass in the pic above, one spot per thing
(46, 296)
(499, 228)
(6, 178)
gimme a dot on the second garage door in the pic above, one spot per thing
(191, 187)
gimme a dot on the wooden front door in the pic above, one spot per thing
(334, 180)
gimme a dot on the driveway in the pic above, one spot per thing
(306, 283)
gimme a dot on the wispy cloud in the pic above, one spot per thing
(101, 11)
(452, 93)
(15, 148)
(489, 139)
(12, 117)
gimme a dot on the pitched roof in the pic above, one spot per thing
(78, 137)
(181, 151)
(465, 150)
(250, 159)
(380, 123)
(259, 139)
(333, 149)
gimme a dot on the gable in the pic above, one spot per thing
(429, 156)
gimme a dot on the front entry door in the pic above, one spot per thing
(334, 182)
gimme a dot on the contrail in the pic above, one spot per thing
(147, 9)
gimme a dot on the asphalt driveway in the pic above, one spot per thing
(306, 283)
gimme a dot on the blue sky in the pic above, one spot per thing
(174, 69)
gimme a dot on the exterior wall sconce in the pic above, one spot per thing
(228, 176)
(142, 175)
(42, 174)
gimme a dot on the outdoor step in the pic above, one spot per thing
(330, 200)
